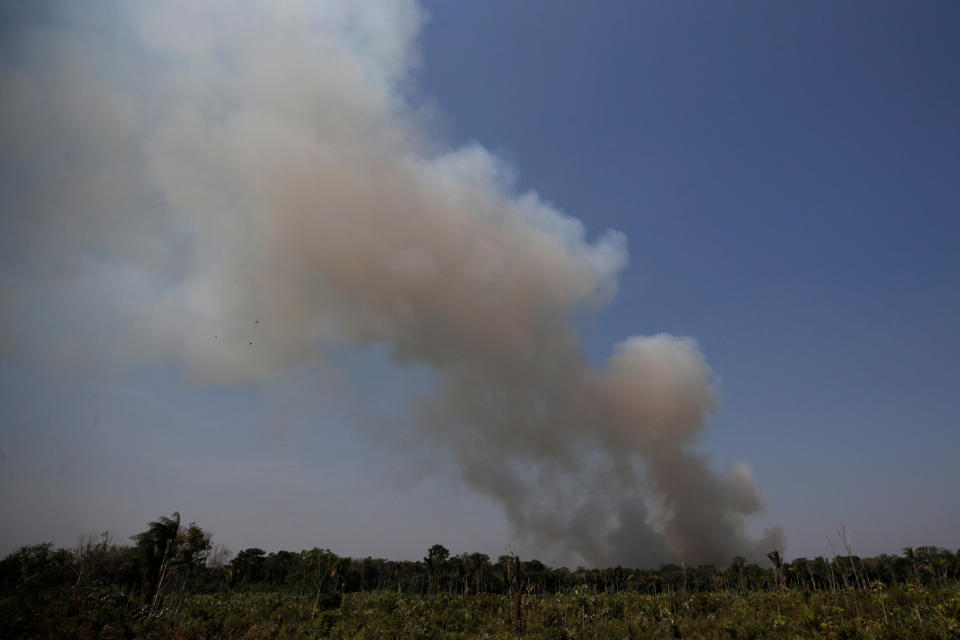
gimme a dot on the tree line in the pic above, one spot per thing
(169, 560)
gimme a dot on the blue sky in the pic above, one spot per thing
(786, 175)
(786, 178)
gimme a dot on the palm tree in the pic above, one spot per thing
(739, 562)
(777, 561)
(910, 555)
(154, 547)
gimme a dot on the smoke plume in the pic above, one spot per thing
(178, 168)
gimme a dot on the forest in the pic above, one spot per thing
(172, 581)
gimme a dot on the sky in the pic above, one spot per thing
(780, 179)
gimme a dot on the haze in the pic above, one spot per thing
(626, 284)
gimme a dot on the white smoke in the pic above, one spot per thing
(193, 164)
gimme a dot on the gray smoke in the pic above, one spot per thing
(183, 164)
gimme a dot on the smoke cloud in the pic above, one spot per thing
(177, 169)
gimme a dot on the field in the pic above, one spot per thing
(103, 612)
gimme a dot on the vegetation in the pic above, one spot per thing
(173, 583)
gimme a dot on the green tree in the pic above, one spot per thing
(37, 566)
(280, 566)
(193, 546)
(320, 568)
(436, 561)
(248, 566)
